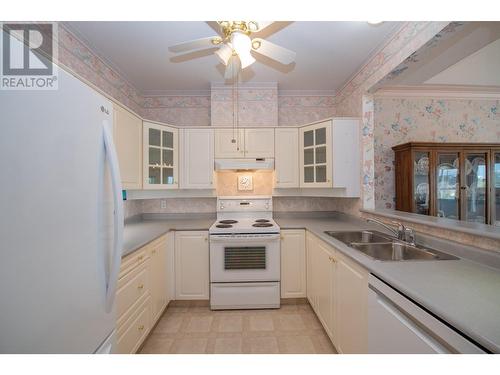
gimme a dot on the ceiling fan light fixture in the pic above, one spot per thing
(242, 45)
(246, 59)
(224, 53)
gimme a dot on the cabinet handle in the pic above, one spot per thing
(139, 258)
(141, 327)
(206, 239)
(332, 259)
(153, 252)
(282, 237)
(140, 286)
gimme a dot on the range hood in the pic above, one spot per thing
(244, 164)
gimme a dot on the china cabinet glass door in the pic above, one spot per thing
(160, 156)
(448, 185)
(421, 180)
(495, 181)
(475, 187)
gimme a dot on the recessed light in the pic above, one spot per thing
(374, 22)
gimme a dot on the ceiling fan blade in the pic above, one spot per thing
(195, 44)
(273, 51)
(261, 25)
(215, 27)
(232, 68)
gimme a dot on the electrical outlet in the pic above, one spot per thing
(163, 203)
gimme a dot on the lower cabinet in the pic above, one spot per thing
(337, 291)
(191, 265)
(293, 263)
(321, 282)
(352, 306)
(159, 277)
(142, 294)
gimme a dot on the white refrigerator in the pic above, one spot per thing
(61, 220)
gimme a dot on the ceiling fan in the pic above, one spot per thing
(236, 40)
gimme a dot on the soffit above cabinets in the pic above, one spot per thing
(463, 53)
(328, 53)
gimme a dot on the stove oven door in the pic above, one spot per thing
(245, 258)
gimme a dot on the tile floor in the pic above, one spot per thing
(293, 328)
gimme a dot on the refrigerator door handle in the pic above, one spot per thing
(116, 184)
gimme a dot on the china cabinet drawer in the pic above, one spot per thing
(135, 330)
(131, 287)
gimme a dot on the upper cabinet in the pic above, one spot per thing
(454, 180)
(315, 159)
(127, 134)
(229, 143)
(286, 160)
(197, 158)
(259, 143)
(160, 147)
(244, 143)
(329, 155)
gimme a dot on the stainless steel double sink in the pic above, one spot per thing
(381, 246)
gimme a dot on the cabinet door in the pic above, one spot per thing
(421, 182)
(324, 270)
(311, 250)
(127, 135)
(474, 188)
(447, 192)
(191, 265)
(345, 155)
(286, 162)
(229, 143)
(315, 155)
(158, 277)
(259, 143)
(495, 188)
(160, 157)
(351, 325)
(197, 159)
(293, 263)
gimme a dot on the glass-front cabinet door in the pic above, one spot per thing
(160, 156)
(421, 182)
(495, 188)
(448, 185)
(474, 188)
(315, 159)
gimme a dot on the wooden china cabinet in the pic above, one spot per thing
(454, 180)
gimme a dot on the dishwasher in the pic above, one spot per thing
(396, 325)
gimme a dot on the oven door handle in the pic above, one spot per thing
(222, 238)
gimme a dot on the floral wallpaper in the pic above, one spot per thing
(177, 110)
(298, 110)
(77, 57)
(400, 120)
(354, 98)
(257, 106)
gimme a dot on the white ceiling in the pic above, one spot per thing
(328, 53)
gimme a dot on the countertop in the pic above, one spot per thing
(463, 293)
(140, 231)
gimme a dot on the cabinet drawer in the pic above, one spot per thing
(132, 287)
(133, 260)
(134, 331)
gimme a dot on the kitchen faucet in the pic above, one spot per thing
(403, 233)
